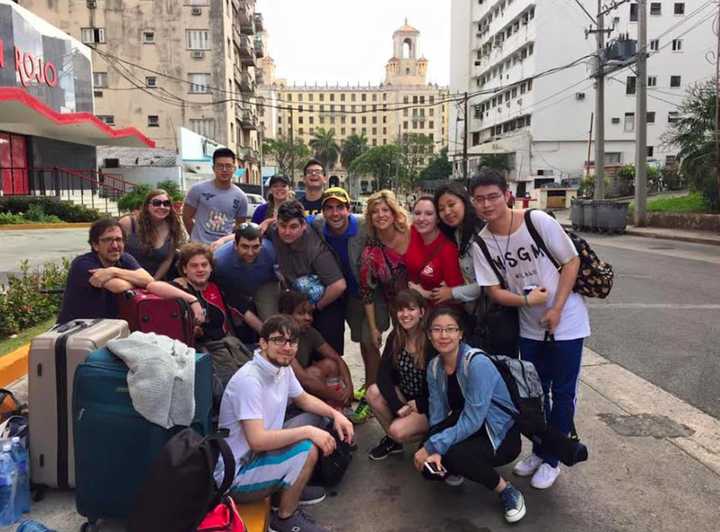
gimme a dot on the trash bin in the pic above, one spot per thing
(576, 213)
(610, 216)
(588, 215)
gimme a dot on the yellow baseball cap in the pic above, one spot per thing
(335, 193)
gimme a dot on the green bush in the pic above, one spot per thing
(133, 200)
(22, 301)
(65, 211)
(172, 188)
(8, 218)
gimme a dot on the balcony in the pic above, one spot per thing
(248, 154)
(259, 47)
(247, 115)
(259, 22)
(245, 20)
(259, 77)
(247, 82)
(246, 49)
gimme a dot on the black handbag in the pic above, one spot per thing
(496, 328)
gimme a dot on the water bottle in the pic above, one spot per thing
(8, 483)
(22, 494)
(32, 526)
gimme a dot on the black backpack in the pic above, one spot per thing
(180, 488)
(330, 469)
(595, 277)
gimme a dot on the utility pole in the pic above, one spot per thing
(641, 117)
(465, 141)
(292, 146)
(717, 103)
(600, 107)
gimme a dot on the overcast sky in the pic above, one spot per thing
(351, 40)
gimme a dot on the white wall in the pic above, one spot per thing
(149, 175)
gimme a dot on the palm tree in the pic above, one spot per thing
(352, 148)
(325, 147)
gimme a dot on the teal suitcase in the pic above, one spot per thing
(114, 445)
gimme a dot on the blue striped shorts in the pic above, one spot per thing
(273, 470)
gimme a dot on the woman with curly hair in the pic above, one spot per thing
(154, 233)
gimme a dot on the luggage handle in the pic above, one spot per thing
(65, 327)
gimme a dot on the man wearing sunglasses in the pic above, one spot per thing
(95, 277)
(272, 459)
(245, 268)
(212, 208)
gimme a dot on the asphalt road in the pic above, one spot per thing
(662, 319)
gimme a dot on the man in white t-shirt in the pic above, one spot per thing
(553, 319)
(270, 458)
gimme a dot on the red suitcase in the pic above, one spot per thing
(147, 312)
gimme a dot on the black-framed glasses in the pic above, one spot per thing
(161, 203)
(451, 329)
(281, 341)
(112, 240)
(490, 198)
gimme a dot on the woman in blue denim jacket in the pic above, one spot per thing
(470, 433)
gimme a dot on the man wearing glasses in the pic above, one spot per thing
(315, 180)
(553, 319)
(95, 277)
(269, 457)
(212, 208)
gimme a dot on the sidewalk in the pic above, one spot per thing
(654, 465)
(697, 237)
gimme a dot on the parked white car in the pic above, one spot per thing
(254, 201)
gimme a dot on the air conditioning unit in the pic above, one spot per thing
(98, 94)
(196, 11)
(91, 4)
(615, 120)
(197, 54)
(579, 96)
(519, 102)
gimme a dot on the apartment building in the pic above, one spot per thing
(405, 103)
(160, 66)
(500, 50)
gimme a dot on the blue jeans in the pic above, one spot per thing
(558, 364)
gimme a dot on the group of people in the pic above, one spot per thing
(286, 284)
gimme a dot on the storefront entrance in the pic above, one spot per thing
(14, 164)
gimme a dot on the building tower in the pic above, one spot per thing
(404, 68)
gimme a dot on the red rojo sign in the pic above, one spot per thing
(30, 68)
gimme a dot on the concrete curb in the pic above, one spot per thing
(699, 239)
(14, 365)
(64, 225)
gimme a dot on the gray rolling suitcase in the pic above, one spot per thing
(54, 356)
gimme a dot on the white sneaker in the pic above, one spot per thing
(545, 476)
(527, 466)
(454, 480)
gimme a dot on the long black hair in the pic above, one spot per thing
(470, 225)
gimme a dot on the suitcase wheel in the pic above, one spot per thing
(89, 527)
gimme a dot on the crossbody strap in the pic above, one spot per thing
(486, 253)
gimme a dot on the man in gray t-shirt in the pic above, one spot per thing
(212, 208)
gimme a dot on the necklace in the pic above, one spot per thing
(507, 243)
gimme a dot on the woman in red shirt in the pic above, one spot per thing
(431, 258)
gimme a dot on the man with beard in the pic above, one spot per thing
(271, 458)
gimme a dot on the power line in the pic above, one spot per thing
(586, 11)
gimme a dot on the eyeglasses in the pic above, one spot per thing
(316, 171)
(437, 331)
(490, 198)
(112, 240)
(281, 341)
(225, 166)
(161, 203)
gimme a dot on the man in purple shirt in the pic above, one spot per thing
(96, 277)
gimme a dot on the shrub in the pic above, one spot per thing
(172, 188)
(133, 200)
(65, 211)
(22, 301)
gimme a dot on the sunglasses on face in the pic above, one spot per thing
(161, 203)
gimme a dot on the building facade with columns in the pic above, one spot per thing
(404, 103)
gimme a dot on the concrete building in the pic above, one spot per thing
(161, 66)
(48, 132)
(544, 123)
(404, 103)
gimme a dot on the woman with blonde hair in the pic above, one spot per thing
(382, 275)
(399, 398)
(154, 233)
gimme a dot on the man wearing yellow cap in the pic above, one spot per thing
(345, 234)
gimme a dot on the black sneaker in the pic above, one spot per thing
(310, 495)
(385, 448)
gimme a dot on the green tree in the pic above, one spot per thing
(352, 148)
(416, 148)
(325, 147)
(499, 161)
(172, 188)
(282, 151)
(694, 134)
(440, 167)
(381, 162)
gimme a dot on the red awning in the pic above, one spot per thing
(24, 114)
